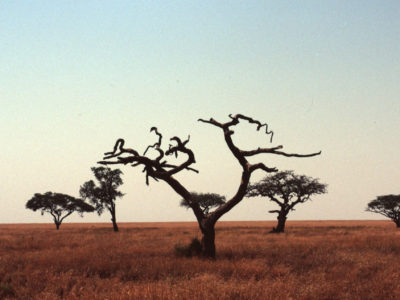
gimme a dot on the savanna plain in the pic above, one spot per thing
(312, 260)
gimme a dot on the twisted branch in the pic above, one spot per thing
(243, 153)
(156, 145)
(261, 166)
(251, 120)
(119, 145)
(235, 120)
(154, 168)
(241, 156)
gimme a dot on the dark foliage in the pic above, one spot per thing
(6, 290)
(190, 250)
(206, 201)
(287, 190)
(103, 195)
(58, 205)
(388, 206)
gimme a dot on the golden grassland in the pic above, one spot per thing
(313, 260)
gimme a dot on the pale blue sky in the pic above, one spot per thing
(77, 75)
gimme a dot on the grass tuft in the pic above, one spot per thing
(190, 250)
(6, 290)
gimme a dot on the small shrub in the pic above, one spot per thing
(192, 249)
(6, 291)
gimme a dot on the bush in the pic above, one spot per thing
(193, 249)
(6, 291)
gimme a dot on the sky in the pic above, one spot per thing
(77, 75)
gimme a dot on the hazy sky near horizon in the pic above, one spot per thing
(77, 75)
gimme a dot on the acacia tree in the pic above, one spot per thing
(388, 206)
(206, 201)
(103, 195)
(159, 168)
(287, 190)
(58, 205)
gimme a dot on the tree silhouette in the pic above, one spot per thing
(103, 195)
(287, 190)
(58, 205)
(159, 168)
(388, 206)
(205, 201)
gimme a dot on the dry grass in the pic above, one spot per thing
(313, 260)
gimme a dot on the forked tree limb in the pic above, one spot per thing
(235, 120)
(155, 168)
(277, 201)
(212, 121)
(273, 150)
(261, 166)
(119, 145)
(241, 156)
(156, 145)
(251, 120)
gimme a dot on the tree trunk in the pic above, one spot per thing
(208, 242)
(115, 226)
(281, 224)
(397, 223)
(206, 226)
(114, 221)
(58, 226)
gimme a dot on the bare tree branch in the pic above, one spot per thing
(261, 166)
(295, 154)
(241, 156)
(212, 122)
(235, 120)
(119, 145)
(62, 219)
(181, 147)
(251, 120)
(174, 166)
(274, 150)
(261, 150)
(156, 145)
(154, 168)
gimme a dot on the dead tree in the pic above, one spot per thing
(159, 169)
